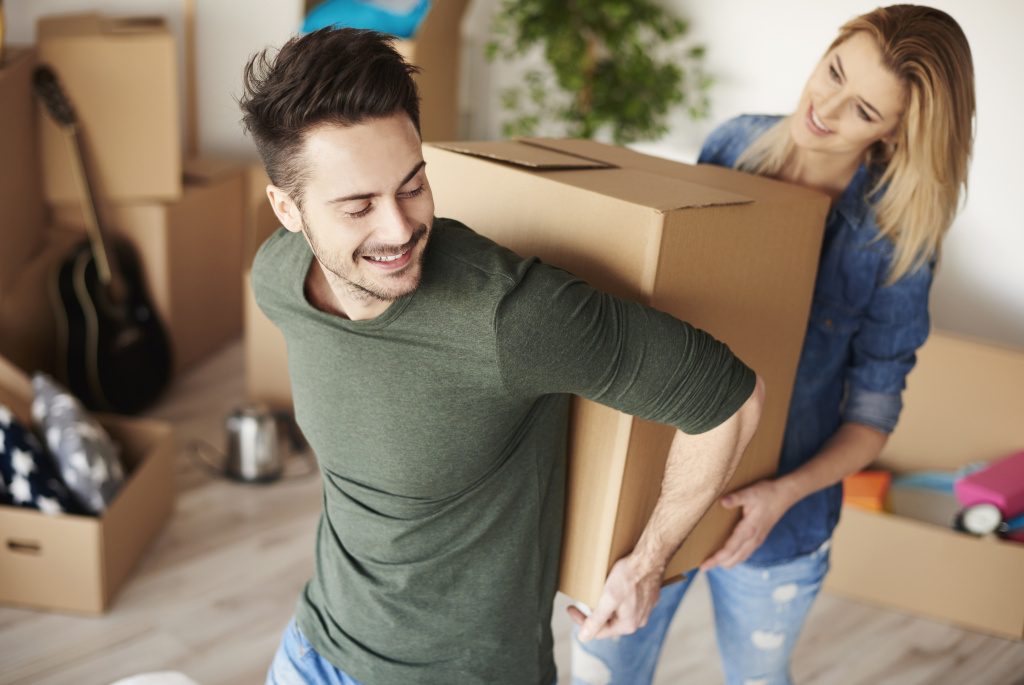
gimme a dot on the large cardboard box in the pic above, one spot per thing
(963, 404)
(732, 253)
(121, 76)
(191, 252)
(21, 193)
(435, 49)
(78, 563)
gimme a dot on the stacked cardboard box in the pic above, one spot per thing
(77, 563)
(184, 217)
(963, 404)
(26, 327)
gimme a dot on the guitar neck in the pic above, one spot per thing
(105, 264)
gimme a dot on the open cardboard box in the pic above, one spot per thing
(77, 563)
(963, 404)
(732, 253)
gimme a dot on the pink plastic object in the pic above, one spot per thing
(1001, 484)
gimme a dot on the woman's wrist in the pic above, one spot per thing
(789, 487)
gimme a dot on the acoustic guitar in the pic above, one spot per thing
(113, 351)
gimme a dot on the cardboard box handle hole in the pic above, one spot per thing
(25, 546)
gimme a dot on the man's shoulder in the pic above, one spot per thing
(463, 251)
(278, 259)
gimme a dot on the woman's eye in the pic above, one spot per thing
(834, 74)
(863, 114)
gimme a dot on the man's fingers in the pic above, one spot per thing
(600, 616)
(578, 617)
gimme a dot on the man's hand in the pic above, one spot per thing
(696, 472)
(763, 504)
(628, 597)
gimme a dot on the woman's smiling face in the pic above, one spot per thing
(850, 101)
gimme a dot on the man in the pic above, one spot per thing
(431, 373)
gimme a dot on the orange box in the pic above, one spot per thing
(866, 490)
(78, 563)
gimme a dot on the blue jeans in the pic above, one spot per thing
(759, 612)
(297, 663)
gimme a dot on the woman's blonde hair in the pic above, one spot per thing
(924, 174)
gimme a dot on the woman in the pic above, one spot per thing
(885, 128)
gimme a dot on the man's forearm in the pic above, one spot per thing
(697, 471)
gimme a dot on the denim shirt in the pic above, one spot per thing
(860, 343)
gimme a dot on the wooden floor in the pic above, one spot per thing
(215, 590)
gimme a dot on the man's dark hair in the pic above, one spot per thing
(330, 76)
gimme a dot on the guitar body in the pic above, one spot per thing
(115, 354)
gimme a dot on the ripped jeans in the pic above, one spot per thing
(759, 612)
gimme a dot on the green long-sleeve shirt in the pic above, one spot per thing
(441, 429)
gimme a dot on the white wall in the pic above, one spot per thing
(760, 54)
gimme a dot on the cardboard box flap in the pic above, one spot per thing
(92, 23)
(523, 155)
(565, 160)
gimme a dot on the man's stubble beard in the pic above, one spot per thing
(361, 290)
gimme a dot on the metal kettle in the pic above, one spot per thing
(256, 444)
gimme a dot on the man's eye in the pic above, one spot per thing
(413, 193)
(361, 213)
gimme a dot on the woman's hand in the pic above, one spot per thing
(763, 504)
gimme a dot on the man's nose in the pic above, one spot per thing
(395, 227)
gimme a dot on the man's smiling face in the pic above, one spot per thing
(366, 209)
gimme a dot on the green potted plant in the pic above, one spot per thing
(612, 67)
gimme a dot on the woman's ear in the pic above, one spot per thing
(285, 208)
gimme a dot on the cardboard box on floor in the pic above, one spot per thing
(435, 50)
(121, 76)
(21, 189)
(732, 253)
(77, 563)
(963, 404)
(191, 252)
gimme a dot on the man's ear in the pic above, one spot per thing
(285, 208)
